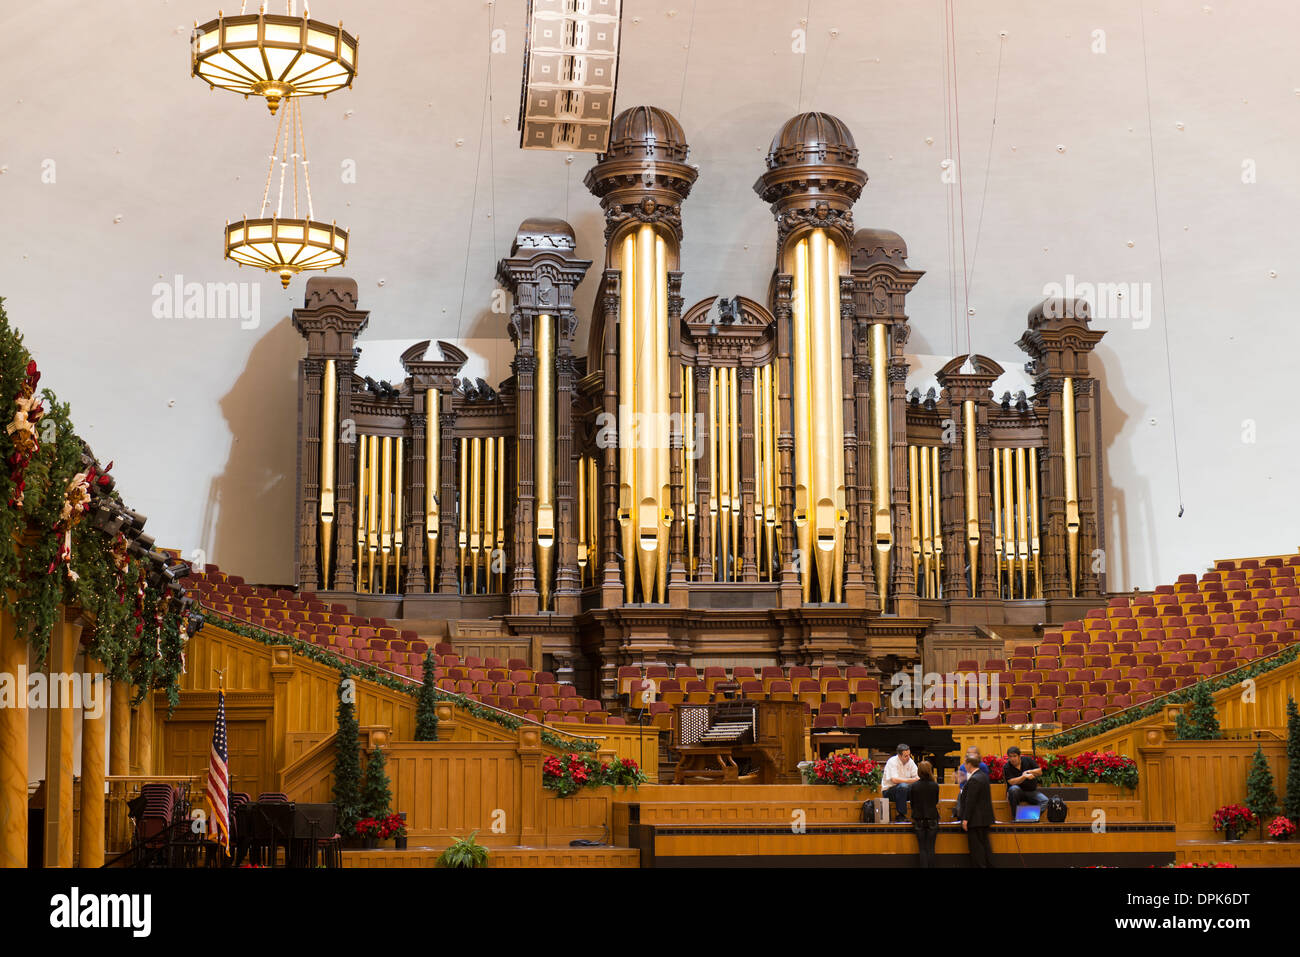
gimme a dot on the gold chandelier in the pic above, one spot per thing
(273, 56)
(287, 245)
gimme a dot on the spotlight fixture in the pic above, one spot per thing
(272, 56)
(287, 245)
(570, 73)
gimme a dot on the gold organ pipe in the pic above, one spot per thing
(582, 519)
(1034, 546)
(823, 399)
(832, 396)
(1071, 453)
(936, 525)
(432, 452)
(971, 471)
(628, 433)
(996, 489)
(463, 510)
(927, 538)
(689, 458)
(544, 453)
(724, 476)
(475, 509)
(328, 437)
(662, 413)
(880, 441)
(733, 404)
(386, 511)
(757, 419)
(770, 479)
(489, 509)
(647, 474)
(802, 426)
(916, 504)
(501, 510)
(1009, 520)
(1022, 524)
(399, 532)
(713, 467)
(385, 499)
(363, 468)
(593, 516)
(372, 508)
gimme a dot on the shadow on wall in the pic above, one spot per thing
(1122, 527)
(248, 523)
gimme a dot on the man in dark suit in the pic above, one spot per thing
(975, 804)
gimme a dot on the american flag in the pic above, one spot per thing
(219, 777)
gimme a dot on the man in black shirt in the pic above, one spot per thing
(1022, 776)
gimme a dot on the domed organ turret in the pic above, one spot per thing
(811, 182)
(641, 181)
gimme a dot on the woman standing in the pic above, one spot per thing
(924, 798)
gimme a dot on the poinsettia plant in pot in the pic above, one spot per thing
(1233, 820)
(1281, 828)
(844, 770)
(370, 830)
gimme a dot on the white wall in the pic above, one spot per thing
(200, 415)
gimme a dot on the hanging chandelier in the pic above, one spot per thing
(272, 56)
(280, 244)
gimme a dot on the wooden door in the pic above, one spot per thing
(186, 745)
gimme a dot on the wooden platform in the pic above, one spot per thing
(1264, 853)
(502, 857)
(894, 845)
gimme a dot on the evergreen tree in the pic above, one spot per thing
(347, 761)
(1292, 806)
(1260, 796)
(1199, 721)
(426, 704)
(376, 799)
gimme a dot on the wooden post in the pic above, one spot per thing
(94, 722)
(13, 749)
(119, 758)
(60, 727)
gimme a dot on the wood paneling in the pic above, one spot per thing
(1186, 781)
(187, 744)
(502, 858)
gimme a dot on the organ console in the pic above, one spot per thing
(741, 480)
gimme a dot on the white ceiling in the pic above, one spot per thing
(200, 414)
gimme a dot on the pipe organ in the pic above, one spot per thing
(758, 459)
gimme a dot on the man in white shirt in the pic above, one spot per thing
(897, 780)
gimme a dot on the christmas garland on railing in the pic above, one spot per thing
(53, 558)
(346, 668)
(1181, 696)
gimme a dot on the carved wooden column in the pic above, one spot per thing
(677, 596)
(1059, 341)
(417, 582)
(855, 591)
(791, 590)
(449, 576)
(330, 322)
(862, 409)
(541, 273)
(119, 760)
(611, 583)
(984, 455)
(881, 283)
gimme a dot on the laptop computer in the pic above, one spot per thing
(1028, 812)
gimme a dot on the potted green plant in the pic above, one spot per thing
(465, 852)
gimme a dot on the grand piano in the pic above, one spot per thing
(935, 745)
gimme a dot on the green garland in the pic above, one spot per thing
(1181, 696)
(347, 668)
(138, 643)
